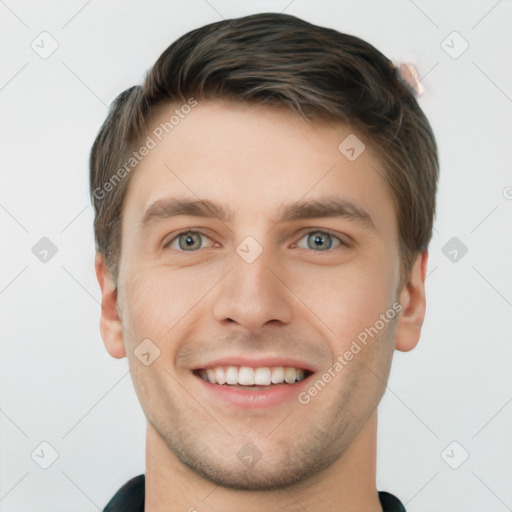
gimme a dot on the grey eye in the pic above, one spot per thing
(189, 240)
(320, 240)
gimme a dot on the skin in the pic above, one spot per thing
(197, 305)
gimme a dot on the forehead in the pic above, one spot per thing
(254, 159)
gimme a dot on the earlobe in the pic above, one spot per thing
(413, 300)
(110, 323)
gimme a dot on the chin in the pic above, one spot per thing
(263, 475)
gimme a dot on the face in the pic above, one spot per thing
(249, 295)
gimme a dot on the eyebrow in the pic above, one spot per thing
(297, 210)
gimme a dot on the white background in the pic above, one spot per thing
(59, 385)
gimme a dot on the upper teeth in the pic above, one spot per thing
(247, 376)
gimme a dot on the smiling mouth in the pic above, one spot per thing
(246, 377)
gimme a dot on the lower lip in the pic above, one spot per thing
(259, 397)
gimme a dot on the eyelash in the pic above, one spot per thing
(322, 231)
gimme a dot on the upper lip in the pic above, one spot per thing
(257, 362)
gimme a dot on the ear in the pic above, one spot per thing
(110, 324)
(412, 298)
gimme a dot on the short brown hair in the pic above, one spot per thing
(280, 60)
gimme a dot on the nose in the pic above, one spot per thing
(254, 294)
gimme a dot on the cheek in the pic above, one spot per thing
(348, 300)
(157, 300)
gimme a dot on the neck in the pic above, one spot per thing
(347, 485)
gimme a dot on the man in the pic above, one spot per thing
(263, 208)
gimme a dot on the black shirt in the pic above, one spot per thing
(130, 498)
